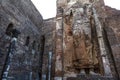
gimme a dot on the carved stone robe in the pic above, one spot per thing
(84, 55)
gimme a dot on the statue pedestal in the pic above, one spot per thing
(70, 74)
(93, 73)
(82, 74)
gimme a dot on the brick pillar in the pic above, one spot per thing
(59, 49)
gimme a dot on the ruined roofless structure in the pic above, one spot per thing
(82, 42)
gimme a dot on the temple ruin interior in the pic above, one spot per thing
(82, 42)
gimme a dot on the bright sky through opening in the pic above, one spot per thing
(47, 8)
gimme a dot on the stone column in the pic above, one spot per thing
(103, 51)
(49, 65)
(11, 52)
(9, 58)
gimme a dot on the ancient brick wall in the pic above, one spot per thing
(49, 34)
(112, 31)
(25, 18)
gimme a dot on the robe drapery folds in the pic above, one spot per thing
(80, 50)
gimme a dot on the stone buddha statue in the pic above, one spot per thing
(80, 48)
(85, 54)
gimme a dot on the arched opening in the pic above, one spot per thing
(34, 45)
(27, 41)
(9, 29)
(42, 44)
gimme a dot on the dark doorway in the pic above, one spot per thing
(42, 44)
(27, 41)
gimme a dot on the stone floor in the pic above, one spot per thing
(91, 77)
